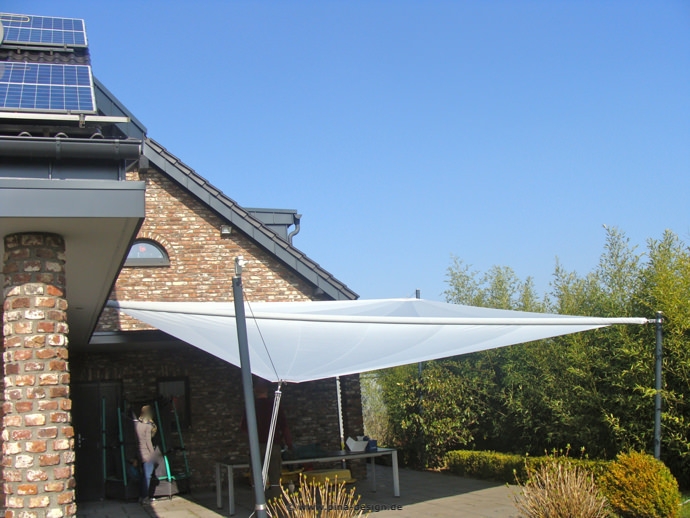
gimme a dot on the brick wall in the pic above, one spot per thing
(201, 269)
(201, 262)
(217, 403)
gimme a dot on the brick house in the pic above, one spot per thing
(92, 209)
(197, 267)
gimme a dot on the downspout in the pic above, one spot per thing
(297, 218)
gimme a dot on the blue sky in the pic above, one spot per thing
(504, 132)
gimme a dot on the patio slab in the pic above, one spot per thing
(422, 494)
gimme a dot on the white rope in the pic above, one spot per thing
(263, 341)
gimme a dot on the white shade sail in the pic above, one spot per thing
(303, 341)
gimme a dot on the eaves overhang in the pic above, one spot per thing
(98, 220)
(108, 341)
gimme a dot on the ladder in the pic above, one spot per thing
(167, 448)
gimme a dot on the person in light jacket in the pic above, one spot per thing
(146, 429)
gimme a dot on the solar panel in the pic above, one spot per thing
(46, 87)
(24, 29)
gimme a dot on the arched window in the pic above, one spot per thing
(145, 252)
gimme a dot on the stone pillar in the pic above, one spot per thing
(37, 436)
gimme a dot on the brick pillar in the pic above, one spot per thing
(37, 437)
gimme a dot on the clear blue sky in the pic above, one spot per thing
(504, 132)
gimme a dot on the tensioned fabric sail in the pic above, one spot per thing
(303, 341)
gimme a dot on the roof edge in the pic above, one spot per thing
(110, 105)
(245, 222)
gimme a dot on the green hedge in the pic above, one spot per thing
(504, 467)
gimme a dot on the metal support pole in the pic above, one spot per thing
(341, 428)
(271, 434)
(422, 441)
(254, 452)
(418, 295)
(658, 379)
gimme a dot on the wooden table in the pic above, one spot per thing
(230, 466)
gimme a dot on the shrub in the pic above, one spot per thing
(487, 465)
(316, 500)
(558, 488)
(639, 486)
(505, 467)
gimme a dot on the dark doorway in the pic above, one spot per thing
(94, 416)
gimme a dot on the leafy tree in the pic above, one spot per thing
(592, 390)
(665, 287)
(428, 415)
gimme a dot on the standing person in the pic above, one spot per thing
(146, 429)
(264, 410)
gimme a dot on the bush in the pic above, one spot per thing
(487, 465)
(558, 488)
(505, 467)
(639, 486)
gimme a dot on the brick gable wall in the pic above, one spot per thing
(201, 269)
(201, 262)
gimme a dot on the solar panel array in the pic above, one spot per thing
(23, 29)
(46, 87)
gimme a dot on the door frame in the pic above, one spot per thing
(97, 413)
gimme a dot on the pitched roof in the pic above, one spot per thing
(244, 221)
(227, 208)
(108, 104)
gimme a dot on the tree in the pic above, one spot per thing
(665, 287)
(592, 390)
(431, 415)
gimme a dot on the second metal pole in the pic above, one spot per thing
(658, 379)
(418, 295)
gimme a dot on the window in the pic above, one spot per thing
(176, 391)
(145, 252)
